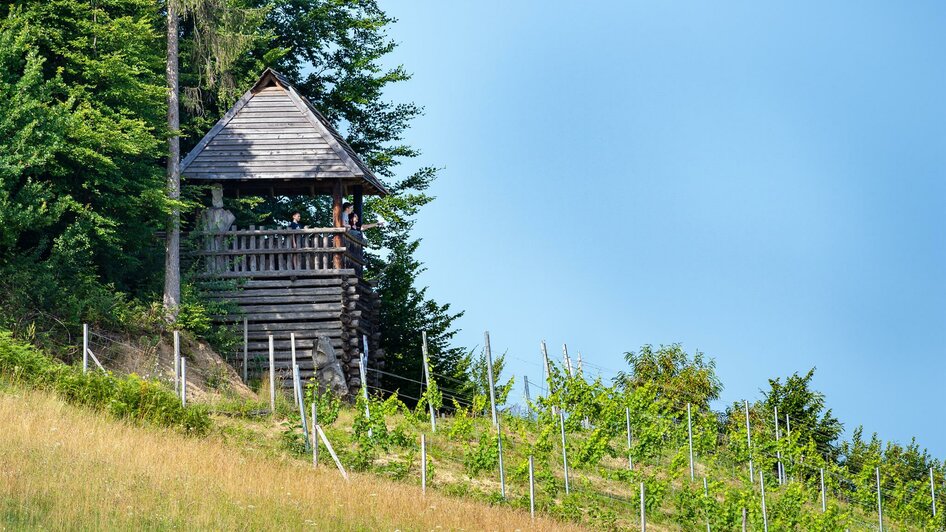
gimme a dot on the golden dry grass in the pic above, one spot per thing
(62, 467)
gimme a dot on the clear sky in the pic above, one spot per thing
(765, 183)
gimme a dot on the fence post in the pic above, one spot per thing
(489, 377)
(643, 511)
(824, 502)
(423, 464)
(788, 434)
(525, 380)
(183, 382)
(531, 487)
(749, 444)
(765, 517)
(880, 503)
(85, 351)
(246, 349)
(292, 350)
(778, 452)
(177, 361)
(933, 491)
(433, 415)
(561, 417)
(627, 416)
(272, 377)
(502, 472)
(690, 439)
(744, 518)
(579, 364)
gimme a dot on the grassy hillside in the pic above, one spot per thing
(65, 467)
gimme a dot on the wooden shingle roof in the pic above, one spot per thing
(275, 137)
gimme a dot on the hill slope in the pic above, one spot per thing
(65, 467)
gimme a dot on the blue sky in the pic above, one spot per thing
(764, 183)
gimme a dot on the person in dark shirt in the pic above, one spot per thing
(296, 217)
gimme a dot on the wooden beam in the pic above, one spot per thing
(337, 220)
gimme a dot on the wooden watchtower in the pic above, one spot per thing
(306, 282)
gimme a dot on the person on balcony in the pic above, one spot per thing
(295, 223)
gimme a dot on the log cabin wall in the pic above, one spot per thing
(284, 282)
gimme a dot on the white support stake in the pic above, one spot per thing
(272, 377)
(85, 350)
(300, 401)
(778, 452)
(824, 501)
(643, 511)
(423, 464)
(548, 374)
(331, 451)
(690, 439)
(525, 380)
(531, 488)
(489, 377)
(315, 438)
(568, 361)
(933, 491)
(183, 382)
(765, 517)
(177, 360)
(246, 349)
(292, 350)
(749, 444)
(880, 502)
(627, 416)
(561, 418)
(706, 494)
(363, 372)
(502, 471)
(433, 414)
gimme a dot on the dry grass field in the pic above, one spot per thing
(66, 468)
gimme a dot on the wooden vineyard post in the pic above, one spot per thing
(272, 377)
(489, 377)
(433, 415)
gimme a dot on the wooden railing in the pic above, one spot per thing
(276, 252)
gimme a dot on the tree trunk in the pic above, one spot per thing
(172, 265)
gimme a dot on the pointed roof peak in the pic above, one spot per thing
(275, 135)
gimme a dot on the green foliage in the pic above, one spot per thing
(806, 408)
(483, 456)
(128, 397)
(678, 377)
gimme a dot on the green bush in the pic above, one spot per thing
(128, 397)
